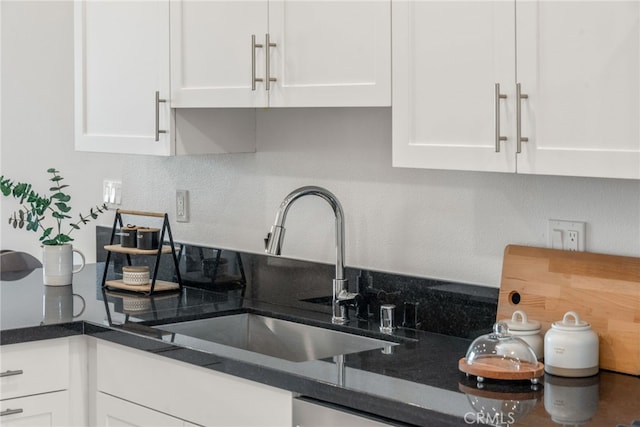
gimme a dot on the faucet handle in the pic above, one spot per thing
(266, 241)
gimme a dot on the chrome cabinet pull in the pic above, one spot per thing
(254, 46)
(519, 138)
(158, 130)
(10, 373)
(11, 412)
(268, 78)
(498, 97)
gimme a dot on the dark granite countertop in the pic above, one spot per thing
(416, 383)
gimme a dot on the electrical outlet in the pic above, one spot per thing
(573, 240)
(567, 235)
(182, 205)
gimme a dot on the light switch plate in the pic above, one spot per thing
(112, 192)
(182, 205)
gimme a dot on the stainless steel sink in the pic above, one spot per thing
(274, 337)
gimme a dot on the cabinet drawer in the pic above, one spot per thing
(189, 392)
(49, 409)
(34, 367)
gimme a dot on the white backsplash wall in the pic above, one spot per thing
(440, 224)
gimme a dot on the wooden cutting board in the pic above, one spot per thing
(603, 289)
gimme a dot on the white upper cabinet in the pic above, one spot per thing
(280, 53)
(447, 58)
(579, 63)
(122, 76)
(577, 68)
(330, 53)
(212, 59)
(123, 101)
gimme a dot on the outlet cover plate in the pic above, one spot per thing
(112, 192)
(567, 235)
(182, 205)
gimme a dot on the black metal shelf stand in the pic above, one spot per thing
(166, 230)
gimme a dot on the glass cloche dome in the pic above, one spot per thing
(500, 355)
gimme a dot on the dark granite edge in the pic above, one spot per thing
(39, 333)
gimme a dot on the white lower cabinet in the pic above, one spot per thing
(34, 379)
(186, 392)
(306, 414)
(86, 381)
(114, 412)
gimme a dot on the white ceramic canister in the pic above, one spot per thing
(571, 348)
(527, 330)
(135, 275)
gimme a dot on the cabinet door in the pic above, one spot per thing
(189, 392)
(48, 409)
(579, 64)
(447, 58)
(121, 62)
(114, 412)
(212, 60)
(330, 53)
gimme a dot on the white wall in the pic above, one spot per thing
(37, 117)
(442, 224)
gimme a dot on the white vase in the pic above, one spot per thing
(57, 264)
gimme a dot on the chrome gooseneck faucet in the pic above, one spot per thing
(273, 245)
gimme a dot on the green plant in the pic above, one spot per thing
(35, 208)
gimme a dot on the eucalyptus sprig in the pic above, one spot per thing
(35, 208)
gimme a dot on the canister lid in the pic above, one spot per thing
(520, 322)
(148, 230)
(136, 268)
(571, 322)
